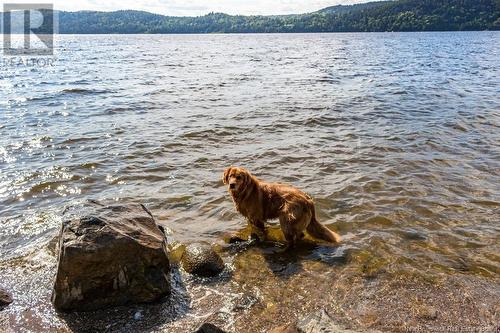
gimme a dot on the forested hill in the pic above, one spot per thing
(401, 15)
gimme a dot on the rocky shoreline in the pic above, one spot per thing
(117, 271)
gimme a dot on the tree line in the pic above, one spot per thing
(401, 15)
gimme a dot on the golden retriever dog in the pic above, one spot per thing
(259, 201)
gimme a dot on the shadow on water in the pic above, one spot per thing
(134, 318)
(286, 263)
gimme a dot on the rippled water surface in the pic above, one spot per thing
(395, 135)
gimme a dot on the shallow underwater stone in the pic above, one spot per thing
(209, 328)
(284, 329)
(316, 322)
(428, 312)
(5, 298)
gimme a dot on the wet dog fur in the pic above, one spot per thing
(259, 201)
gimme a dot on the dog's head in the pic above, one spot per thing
(237, 179)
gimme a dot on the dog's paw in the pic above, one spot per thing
(235, 239)
(257, 238)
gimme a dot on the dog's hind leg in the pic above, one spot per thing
(291, 235)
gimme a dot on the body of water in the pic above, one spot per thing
(395, 135)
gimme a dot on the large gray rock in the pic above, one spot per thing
(200, 259)
(108, 256)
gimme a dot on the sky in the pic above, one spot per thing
(197, 7)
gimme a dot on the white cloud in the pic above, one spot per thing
(199, 7)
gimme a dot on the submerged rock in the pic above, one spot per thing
(209, 328)
(284, 329)
(427, 312)
(5, 298)
(201, 259)
(414, 235)
(108, 256)
(317, 322)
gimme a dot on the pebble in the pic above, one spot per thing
(5, 298)
(138, 315)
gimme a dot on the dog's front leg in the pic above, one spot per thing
(258, 224)
(255, 231)
(258, 229)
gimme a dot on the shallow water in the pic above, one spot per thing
(395, 135)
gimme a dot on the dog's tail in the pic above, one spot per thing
(319, 231)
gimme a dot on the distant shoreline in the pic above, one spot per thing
(265, 33)
(273, 33)
(381, 16)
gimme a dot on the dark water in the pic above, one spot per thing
(395, 135)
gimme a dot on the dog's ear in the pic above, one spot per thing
(225, 177)
(247, 177)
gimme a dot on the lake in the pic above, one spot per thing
(395, 135)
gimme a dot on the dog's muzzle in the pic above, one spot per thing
(231, 186)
